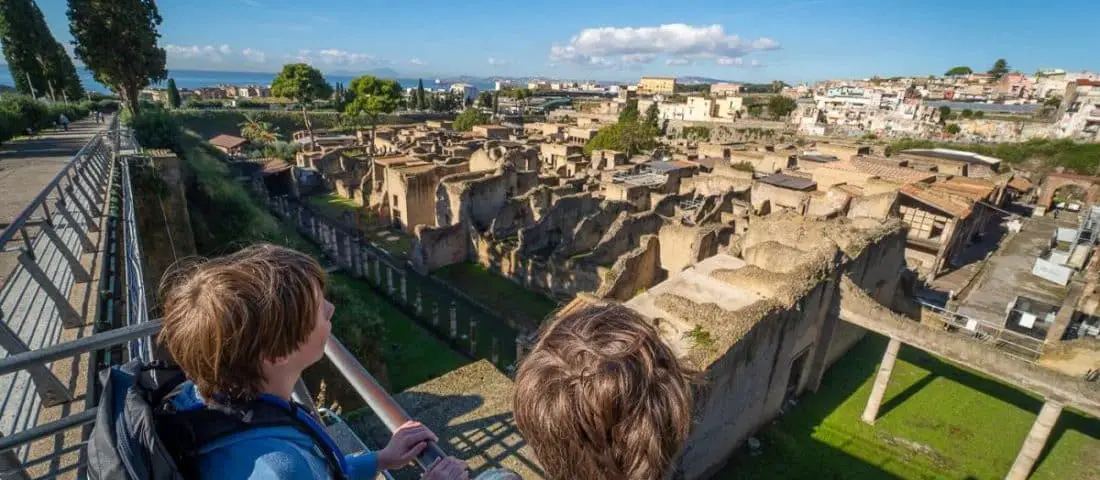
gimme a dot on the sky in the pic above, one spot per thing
(790, 40)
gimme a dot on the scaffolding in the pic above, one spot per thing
(644, 177)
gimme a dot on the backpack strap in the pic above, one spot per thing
(194, 428)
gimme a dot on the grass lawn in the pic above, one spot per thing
(393, 241)
(937, 421)
(503, 296)
(412, 355)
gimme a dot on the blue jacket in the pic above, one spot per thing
(270, 452)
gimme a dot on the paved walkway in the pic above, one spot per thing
(28, 165)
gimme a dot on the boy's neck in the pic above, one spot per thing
(281, 386)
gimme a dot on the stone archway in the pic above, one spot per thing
(1055, 181)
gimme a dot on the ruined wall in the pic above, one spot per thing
(437, 247)
(624, 235)
(634, 272)
(637, 195)
(556, 226)
(592, 229)
(714, 184)
(677, 246)
(764, 195)
(828, 204)
(872, 206)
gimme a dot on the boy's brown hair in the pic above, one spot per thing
(602, 396)
(224, 316)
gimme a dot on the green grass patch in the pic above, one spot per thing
(411, 354)
(1083, 158)
(937, 421)
(503, 296)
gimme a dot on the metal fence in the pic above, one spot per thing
(465, 324)
(40, 255)
(1017, 344)
(69, 206)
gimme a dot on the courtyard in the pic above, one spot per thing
(937, 421)
(499, 294)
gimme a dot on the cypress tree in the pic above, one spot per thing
(421, 100)
(173, 94)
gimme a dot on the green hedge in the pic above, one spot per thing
(23, 115)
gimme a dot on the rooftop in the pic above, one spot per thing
(940, 201)
(789, 181)
(227, 141)
(956, 155)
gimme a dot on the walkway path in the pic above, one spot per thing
(28, 165)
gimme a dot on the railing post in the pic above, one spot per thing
(10, 466)
(50, 389)
(69, 316)
(80, 274)
(454, 320)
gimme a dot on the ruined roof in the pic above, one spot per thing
(783, 180)
(950, 205)
(394, 160)
(972, 188)
(668, 166)
(885, 172)
(227, 141)
(853, 190)
(1020, 184)
(819, 158)
(415, 169)
(956, 155)
(274, 165)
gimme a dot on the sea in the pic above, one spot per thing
(201, 78)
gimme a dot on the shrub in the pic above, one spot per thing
(156, 129)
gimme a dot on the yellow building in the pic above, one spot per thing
(652, 85)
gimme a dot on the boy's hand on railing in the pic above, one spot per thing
(449, 468)
(405, 445)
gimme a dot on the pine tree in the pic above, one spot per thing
(421, 100)
(173, 94)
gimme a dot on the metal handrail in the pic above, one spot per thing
(376, 397)
(26, 215)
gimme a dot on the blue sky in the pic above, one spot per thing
(793, 40)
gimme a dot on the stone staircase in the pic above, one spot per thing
(471, 411)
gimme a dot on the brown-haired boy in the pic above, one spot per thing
(243, 328)
(602, 396)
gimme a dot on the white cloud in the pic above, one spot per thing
(416, 61)
(639, 45)
(252, 3)
(332, 56)
(254, 55)
(208, 52)
(497, 62)
(225, 50)
(678, 61)
(729, 61)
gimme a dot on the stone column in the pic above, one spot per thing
(348, 258)
(1035, 441)
(870, 414)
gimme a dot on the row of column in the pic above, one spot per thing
(356, 258)
(1033, 445)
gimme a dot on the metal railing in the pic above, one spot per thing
(139, 330)
(1017, 344)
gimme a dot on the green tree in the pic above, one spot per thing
(953, 129)
(651, 115)
(257, 130)
(945, 113)
(629, 113)
(372, 97)
(966, 113)
(1000, 68)
(959, 70)
(1055, 101)
(117, 40)
(173, 94)
(469, 118)
(38, 63)
(979, 114)
(777, 86)
(496, 102)
(485, 100)
(421, 100)
(780, 106)
(303, 84)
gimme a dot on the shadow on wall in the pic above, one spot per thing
(481, 432)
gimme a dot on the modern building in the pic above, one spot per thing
(655, 85)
